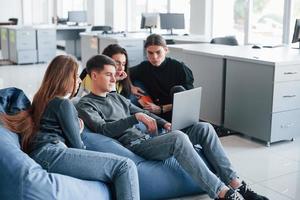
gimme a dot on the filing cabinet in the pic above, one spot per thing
(22, 45)
(263, 100)
(133, 46)
(4, 42)
(46, 44)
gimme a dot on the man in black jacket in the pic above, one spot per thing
(159, 75)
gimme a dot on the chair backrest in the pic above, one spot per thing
(14, 20)
(228, 40)
(101, 28)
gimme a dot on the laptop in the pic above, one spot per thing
(186, 108)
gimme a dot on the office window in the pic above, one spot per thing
(266, 22)
(137, 7)
(295, 15)
(157, 6)
(63, 6)
(120, 15)
(135, 10)
(229, 18)
(182, 6)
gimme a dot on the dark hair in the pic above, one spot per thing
(97, 62)
(60, 74)
(114, 49)
(155, 39)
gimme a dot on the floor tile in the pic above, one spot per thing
(288, 185)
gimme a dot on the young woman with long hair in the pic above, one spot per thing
(50, 133)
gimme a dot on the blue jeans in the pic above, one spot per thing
(181, 146)
(90, 165)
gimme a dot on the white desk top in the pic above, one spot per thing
(144, 35)
(268, 56)
(67, 27)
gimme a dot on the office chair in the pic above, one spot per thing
(14, 20)
(227, 40)
(101, 28)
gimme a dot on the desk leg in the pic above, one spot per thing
(73, 48)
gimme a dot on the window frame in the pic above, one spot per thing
(286, 30)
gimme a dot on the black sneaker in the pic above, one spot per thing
(248, 194)
(232, 195)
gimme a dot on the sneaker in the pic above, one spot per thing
(232, 195)
(248, 194)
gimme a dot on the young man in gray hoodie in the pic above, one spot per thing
(114, 116)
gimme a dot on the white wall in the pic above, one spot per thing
(10, 9)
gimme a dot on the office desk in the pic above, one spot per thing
(94, 42)
(208, 65)
(71, 35)
(255, 91)
(7, 23)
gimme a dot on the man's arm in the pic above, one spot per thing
(135, 73)
(94, 121)
(188, 82)
(134, 109)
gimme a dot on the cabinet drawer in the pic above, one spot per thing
(288, 73)
(26, 56)
(285, 125)
(286, 96)
(46, 43)
(46, 33)
(25, 39)
(46, 55)
(132, 45)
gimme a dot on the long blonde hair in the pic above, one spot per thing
(59, 76)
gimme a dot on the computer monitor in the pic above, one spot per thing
(149, 20)
(77, 16)
(296, 35)
(171, 21)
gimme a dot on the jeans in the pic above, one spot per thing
(90, 165)
(180, 146)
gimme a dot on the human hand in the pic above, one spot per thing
(120, 75)
(148, 121)
(168, 126)
(137, 91)
(81, 125)
(151, 107)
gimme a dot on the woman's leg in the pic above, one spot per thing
(91, 165)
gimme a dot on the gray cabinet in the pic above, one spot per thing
(208, 70)
(4, 43)
(89, 47)
(46, 44)
(133, 46)
(263, 100)
(22, 45)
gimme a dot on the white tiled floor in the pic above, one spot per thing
(273, 171)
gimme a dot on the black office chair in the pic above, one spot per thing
(14, 20)
(101, 28)
(228, 40)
